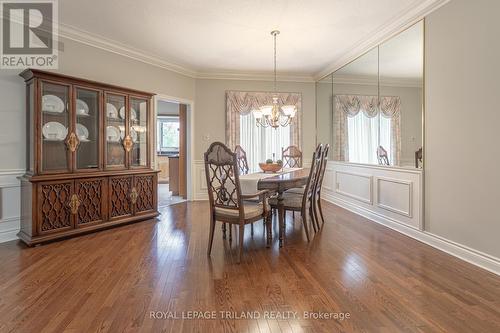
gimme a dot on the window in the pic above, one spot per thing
(363, 137)
(261, 143)
(168, 134)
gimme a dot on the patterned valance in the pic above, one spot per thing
(347, 106)
(352, 104)
(243, 102)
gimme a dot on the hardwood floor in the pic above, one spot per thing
(111, 281)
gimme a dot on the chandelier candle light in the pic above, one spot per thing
(275, 115)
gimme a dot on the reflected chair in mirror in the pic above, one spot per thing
(241, 156)
(224, 193)
(291, 157)
(383, 158)
(302, 203)
(419, 158)
(319, 185)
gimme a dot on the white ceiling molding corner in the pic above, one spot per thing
(401, 21)
(84, 37)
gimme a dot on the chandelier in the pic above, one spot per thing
(274, 115)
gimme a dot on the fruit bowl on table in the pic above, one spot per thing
(270, 167)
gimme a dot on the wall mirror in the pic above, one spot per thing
(370, 110)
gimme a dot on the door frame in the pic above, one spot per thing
(189, 137)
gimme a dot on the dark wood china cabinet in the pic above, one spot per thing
(88, 157)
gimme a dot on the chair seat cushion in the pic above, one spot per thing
(297, 190)
(251, 209)
(289, 200)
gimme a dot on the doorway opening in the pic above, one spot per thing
(171, 152)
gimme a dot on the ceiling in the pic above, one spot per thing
(222, 36)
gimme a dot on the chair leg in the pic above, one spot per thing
(311, 215)
(211, 236)
(241, 234)
(224, 230)
(230, 232)
(315, 211)
(320, 209)
(269, 229)
(251, 229)
(304, 222)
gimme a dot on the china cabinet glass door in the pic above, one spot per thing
(115, 125)
(87, 112)
(55, 119)
(138, 120)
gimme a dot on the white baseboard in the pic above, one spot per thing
(463, 252)
(9, 227)
(10, 204)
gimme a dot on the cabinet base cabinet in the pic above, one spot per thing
(62, 208)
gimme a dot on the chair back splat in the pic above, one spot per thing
(222, 174)
(313, 175)
(241, 157)
(291, 157)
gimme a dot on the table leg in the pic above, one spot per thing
(281, 217)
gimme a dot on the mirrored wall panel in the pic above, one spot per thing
(370, 111)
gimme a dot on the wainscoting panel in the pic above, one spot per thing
(10, 204)
(392, 193)
(200, 181)
(354, 185)
(395, 195)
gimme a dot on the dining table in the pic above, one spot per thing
(275, 182)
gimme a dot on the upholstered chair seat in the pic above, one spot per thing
(251, 210)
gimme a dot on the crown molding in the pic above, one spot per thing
(103, 43)
(403, 20)
(255, 76)
(100, 42)
(371, 81)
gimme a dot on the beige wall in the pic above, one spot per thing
(210, 109)
(462, 154)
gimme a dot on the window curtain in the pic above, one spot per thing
(240, 103)
(350, 105)
(261, 143)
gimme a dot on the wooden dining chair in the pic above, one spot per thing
(291, 157)
(224, 192)
(302, 203)
(419, 155)
(300, 190)
(319, 185)
(383, 158)
(241, 157)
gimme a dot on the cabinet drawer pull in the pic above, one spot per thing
(128, 143)
(72, 142)
(134, 195)
(74, 203)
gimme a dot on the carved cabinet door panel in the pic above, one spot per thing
(145, 188)
(54, 206)
(91, 193)
(120, 203)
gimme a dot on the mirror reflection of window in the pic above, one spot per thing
(373, 105)
(168, 134)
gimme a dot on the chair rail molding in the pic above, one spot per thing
(10, 204)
